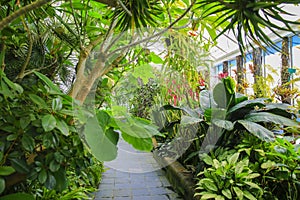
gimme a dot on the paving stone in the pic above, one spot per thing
(122, 193)
(105, 193)
(159, 191)
(134, 176)
(140, 192)
(105, 186)
(109, 180)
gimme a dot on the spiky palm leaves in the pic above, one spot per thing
(249, 19)
(133, 14)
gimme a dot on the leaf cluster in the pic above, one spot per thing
(39, 141)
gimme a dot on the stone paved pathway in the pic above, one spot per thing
(134, 175)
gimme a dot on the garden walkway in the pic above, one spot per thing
(134, 175)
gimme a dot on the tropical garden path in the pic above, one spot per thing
(134, 175)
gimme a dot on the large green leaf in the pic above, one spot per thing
(134, 126)
(25, 121)
(28, 142)
(6, 170)
(269, 117)
(209, 184)
(50, 182)
(112, 135)
(219, 95)
(239, 193)
(61, 180)
(229, 85)
(103, 118)
(186, 120)
(143, 144)
(42, 177)
(227, 193)
(228, 125)
(248, 195)
(57, 104)
(260, 102)
(38, 101)
(279, 109)
(101, 147)
(2, 185)
(232, 160)
(48, 82)
(20, 165)
(48, 122)
(258, 130)
(62, 126)
(206, 100)
(14, 86)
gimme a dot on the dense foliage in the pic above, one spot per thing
(50, 139)
(41, 150)
(232, 144)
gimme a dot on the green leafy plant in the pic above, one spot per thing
(40, 145)
(235, 113)
(227, 176)
(260, 170)
(144, 99)
(278, 164)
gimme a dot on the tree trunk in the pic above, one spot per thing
(257, 63)
(284, 68)
(240, 74)
(225, 67)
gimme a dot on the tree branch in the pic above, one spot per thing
(21, 75)
(5, 22)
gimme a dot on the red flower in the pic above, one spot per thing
(222, 75)
(201, 82)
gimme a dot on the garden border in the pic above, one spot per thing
(179, 177)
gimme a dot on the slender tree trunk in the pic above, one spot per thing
(257, 63)
(257, 71)
(240, 74)
(284, 68)
(225, 67)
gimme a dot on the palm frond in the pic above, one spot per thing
(249, 19)
(139, 13)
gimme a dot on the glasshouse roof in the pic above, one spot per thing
(227, 44)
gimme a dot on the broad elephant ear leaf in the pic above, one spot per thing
(281, 109)
(101, 147)
(269, 117)
(228, 125)
(206, 100)
(219, 95)
(260, 102)
(258, 130)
